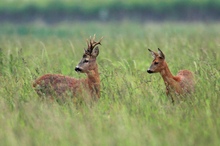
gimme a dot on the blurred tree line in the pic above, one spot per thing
(141, 10)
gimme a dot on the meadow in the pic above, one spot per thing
(133, 108)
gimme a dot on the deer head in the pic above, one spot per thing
(158, 63)
(88, 61)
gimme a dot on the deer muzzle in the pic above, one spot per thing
(149, 71)
(78, 69)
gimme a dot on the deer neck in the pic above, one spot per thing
(168, 78)
(172, 82)
(93, 80)
(93, 76)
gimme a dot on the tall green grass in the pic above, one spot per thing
(133, 108)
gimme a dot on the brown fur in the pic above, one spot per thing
(56, 85)
(182, 83)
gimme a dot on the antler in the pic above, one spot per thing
(92, 43)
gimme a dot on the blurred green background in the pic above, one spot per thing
(140, 10)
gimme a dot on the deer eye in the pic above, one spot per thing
(85, 61)
(156, 63)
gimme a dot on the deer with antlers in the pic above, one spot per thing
(180, 84)
(51, 85)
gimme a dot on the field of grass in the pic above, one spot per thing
(133, 108)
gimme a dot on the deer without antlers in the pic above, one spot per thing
(57, 85)
(182, 83)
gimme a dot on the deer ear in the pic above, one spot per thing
(161, 54)
(95, 52)
(153, 53)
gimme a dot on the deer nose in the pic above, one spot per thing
(149, 71)
(77, 69)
